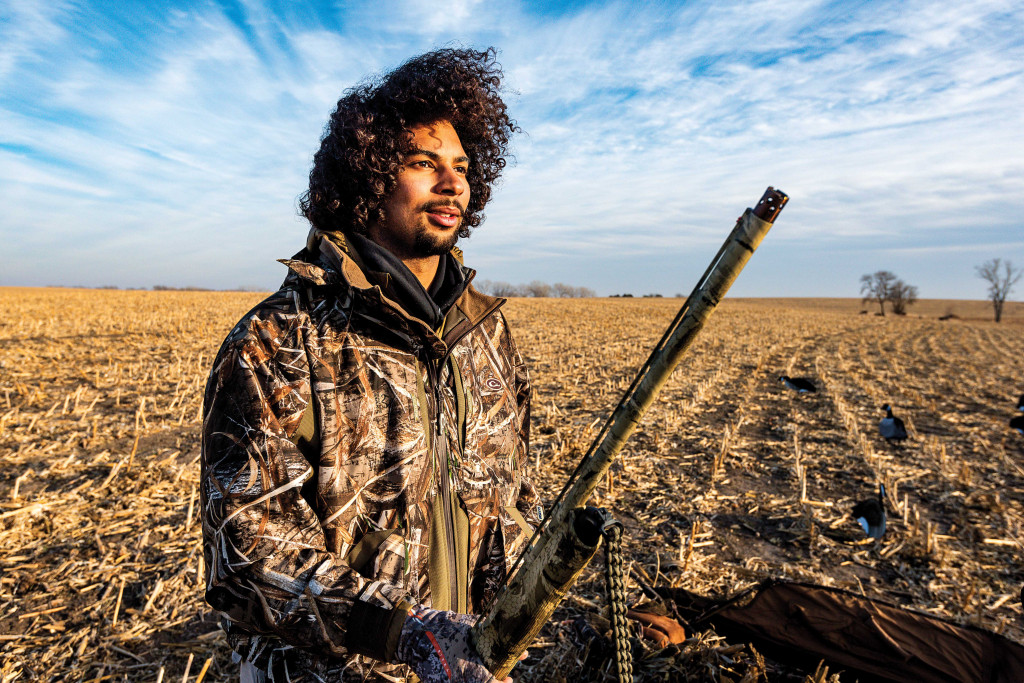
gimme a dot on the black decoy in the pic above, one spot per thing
(870, 514)
(1020, 402)
(799, 384)
(1017, 423)
(891, 428)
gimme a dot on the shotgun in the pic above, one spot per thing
(569, 537)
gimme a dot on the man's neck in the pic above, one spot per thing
(423, 267)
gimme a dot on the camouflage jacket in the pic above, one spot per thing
(354, 458)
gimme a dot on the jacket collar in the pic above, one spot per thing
(328, 260)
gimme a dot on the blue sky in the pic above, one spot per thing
(166, 143)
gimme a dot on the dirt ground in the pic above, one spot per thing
(731, 477)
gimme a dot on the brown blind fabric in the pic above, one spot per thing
(803, 623)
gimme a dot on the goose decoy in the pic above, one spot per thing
(798, 384)
(1017, 423)
(870, 514)
(891, 428)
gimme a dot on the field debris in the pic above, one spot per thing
(730, 479)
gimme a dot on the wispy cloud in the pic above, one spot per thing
(177, 151)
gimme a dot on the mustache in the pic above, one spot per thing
(448, 204)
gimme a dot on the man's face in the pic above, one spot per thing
(424, 213)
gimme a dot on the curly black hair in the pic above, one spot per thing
(360, 154)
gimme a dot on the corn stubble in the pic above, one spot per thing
(729, 480)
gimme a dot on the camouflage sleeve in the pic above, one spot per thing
(528, 503)
(268, 569)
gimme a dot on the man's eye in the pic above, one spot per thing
(461, 169)
(422, 164)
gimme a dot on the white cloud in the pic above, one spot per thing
(25, 25)
(647, 128)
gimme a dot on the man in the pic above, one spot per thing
(366, 427)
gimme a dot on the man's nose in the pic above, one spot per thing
(450, 182)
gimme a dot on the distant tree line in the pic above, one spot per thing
(92, 287)
(240, 288)
(534, 289)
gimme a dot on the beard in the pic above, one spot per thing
(426, 243)
(410, 234)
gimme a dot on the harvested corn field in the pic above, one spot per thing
(731, 478)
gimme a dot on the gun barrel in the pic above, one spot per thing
(744, 239)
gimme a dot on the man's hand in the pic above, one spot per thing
(436, 645)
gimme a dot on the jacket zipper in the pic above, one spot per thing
(445, 493)
(434, 376)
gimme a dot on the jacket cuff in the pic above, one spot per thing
(374, 631)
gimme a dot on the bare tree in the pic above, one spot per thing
(875, 287)
(538, 289)
(563, 290)
(902, 295)
(503, 289)
(999, 283)
(584, 292)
